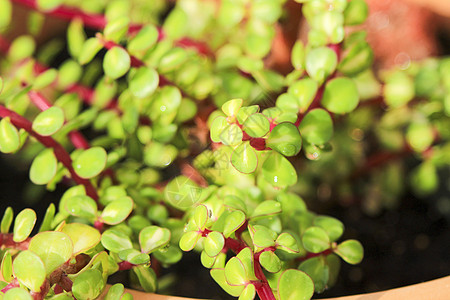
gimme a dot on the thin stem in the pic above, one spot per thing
(61, 154)
(7, 241)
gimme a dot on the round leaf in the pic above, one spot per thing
(213, 243)
(84, 237)
(88, 285)
(318, 271)
(315, 240)
(333, 227)
(356, 12)
(278, 171)
(23, 225)
(115, 240)
(287, 242)
(189, 240)
(9, 136)
(270, 261)
(295, 284)
(285, 139)
(231, 108)
(134, 256)
(144, 82)
(235, 272)
(304, 91)
(256, 125)
(81, 206)
(53, 247)
(182, 192)
(267, 208)
(219, 276)
(43, 168)
(30, 270)
(244, 158)
(49, 121)
(90, 162)
(233, 222)
(398, 89)
(17, 294)
(48, 5)
(248, 293)
(420, 136)
(320, 63)
(201, 216)
(116, 62)
(351, 251)
(317, 127)
(340, 95)
(152, 238)
(117, 211)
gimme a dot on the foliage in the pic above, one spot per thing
(172, 164)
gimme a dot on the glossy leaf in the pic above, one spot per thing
(315, 240)
(351, 251)
(90, 162)
(201, 216)
(7, 271)
(256, 125)
(295, 284)
(9, 136)
(278, 171)
(49, 121)
(152, 238)
(235, 272)
(81, 206)
(318, 271)
(333, 227)
(287, 242)
(270, 261)
(219, 276)
(320, 63)
(90, 48)
(23, 225)
(17, 294)
(147, 278)
(189, 240)
(233, 222)
(420, 135)
(317, 127)
(231, 108)
(30, 270)
(115, 240)
(244, 158)
(84, 237)
(48, 218)
(115, 292)
(43, 168)
(88, 285)
(134, 256)
(267, 208)
(144, 82)
(213, 243)
(356, 12)
(248, 293)
(7, 219)
(117, 210)
(398, 89)
(285, 139)
(304, 91)
(182, 192)
(340, 95)
(116, 62)
(144, 39)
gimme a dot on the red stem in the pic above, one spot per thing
(6, 241)
(61, 154)
(311, 255)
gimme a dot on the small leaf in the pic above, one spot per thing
(189, 240)
(75, 37)
(5, 16)
(233, 222)
(317, 127)
(424, 178)
(7, 271)
(116, 62)
(23, 225)
(351, 251)
(287, 242)
(248, 293)
(90, 48)
(48, 5)
(144, 82)
(43, 168)
(304, 91)
(17, 294)
(48, 218)
(267, 208)
(333, 227)
(81, 206)
(219, 276)
(245, 112)
(117, 211)
(147, 278)
(213, 243)
(134, 256)
(246, 257)
(45, 79)
(318, 271)
(231, 108)
(420, 136)
(270, 261)
(356, 12)
(152, 238)
(244, 158)
(295, 284)
(320, 63)
(231, 135)
(263, 237)
(340, 96)
(49, 121)
(7, 219)
(201, 216)
(278, 171)
(90, 162)
(144, 39)
(30, 270)
(115, 292)
(315, 240)
(9, 136)
(398, 89)
(88, 285)
(182, 192)
(298, 55)
(256, 125)
(84, 237)
(285, 139)
(54, 248)
(235, 273)
(115, 240)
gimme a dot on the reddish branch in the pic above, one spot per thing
(6, 241)
(61, 154)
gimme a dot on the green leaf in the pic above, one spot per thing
(270, 261)
(75, 37)
(219, 276)
(248, 293)
(81, 206)
(53, 247)
(115, 240)
(182, 192)
(144, 39)
(213, 243)
(298, 55)
(116, 62)
(318, 271)
(21, 48)
(420, 135)
(48, 5)
(7, 219)
(116, 29)
(49, 121)
(9, 136)
(152, 238)
(115, 292)
(256, 125)
(43, 167)
(357, 58)
(201, 216)
(333, 227)
(304, 91)
(134, 256)
(189, 240)
(317, 127)
(278, 171)
(90, 48)
(84, 237)
(147, 278)
(5, 14)
(244, 158)
(263, 237)
(7, 271)
(295, 284)
(23, 225)
(287, 242)
(285, 139)
(245, 112)
(17, 294)
(246, 256)
(172, 60)
(235, 272)
(90, 162)
(231, 108)
(45, 79)
(117, 211)
(340, 95)
(351, 251)
(233, 222)
(231, 135)
(144, 82)
(30, 270)
(267, 208)
(356, 12)
(88, 285)
(424, 178)
(69, 73)
(398, 89)
(320, 63)
(315, 240)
